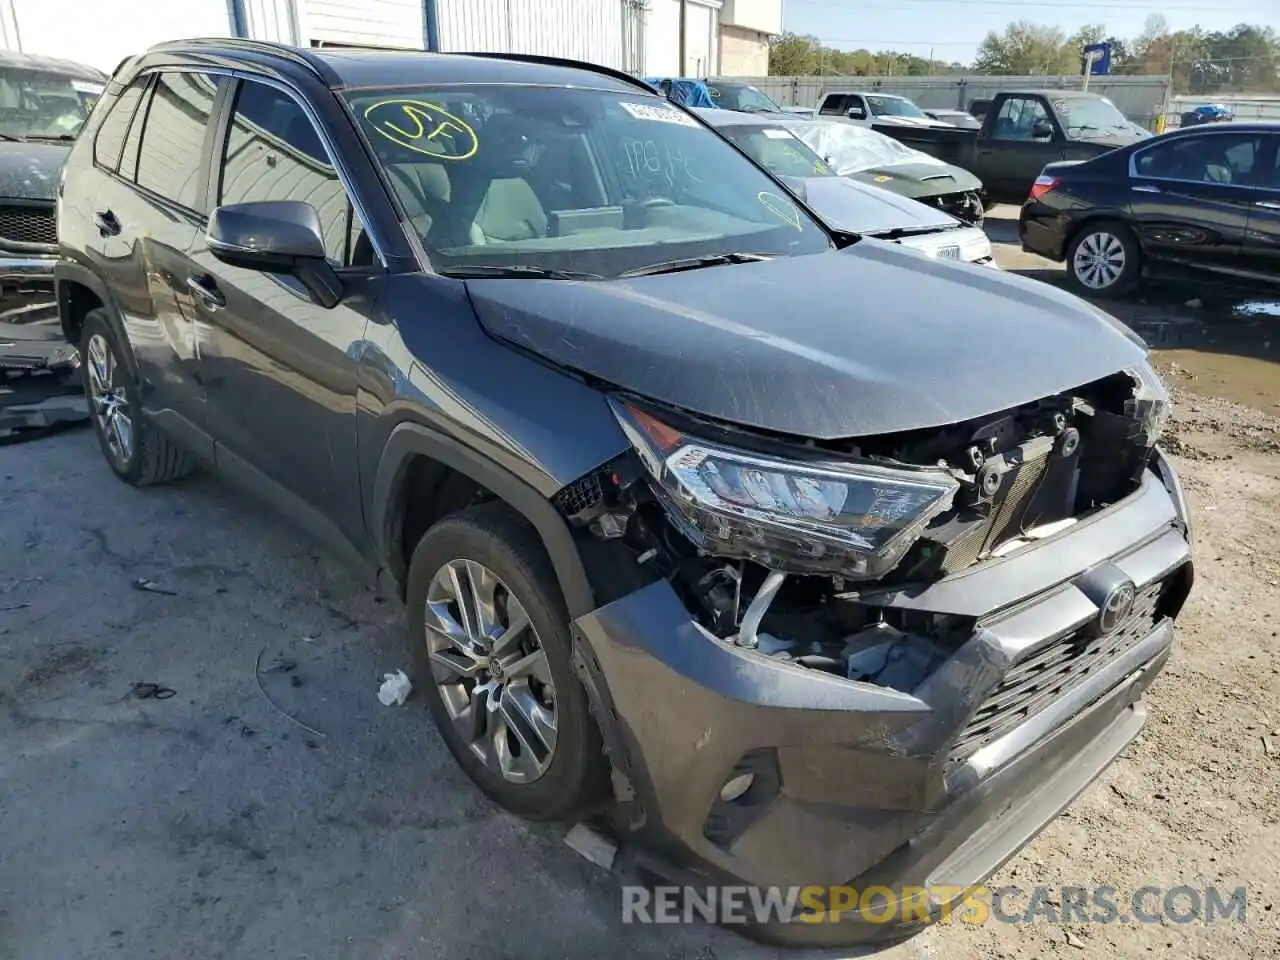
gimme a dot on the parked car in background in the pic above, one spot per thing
(825, 588)
(1201, 203)
(1207, 113)
(878, 109)
(878, 160)
(956, 118)
(43, 104)
(737, 95)
(1022, 131)
(848, 205)
(714, 93)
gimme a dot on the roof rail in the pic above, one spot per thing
(561, 62)
(299, 55)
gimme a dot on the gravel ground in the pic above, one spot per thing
(272, 808)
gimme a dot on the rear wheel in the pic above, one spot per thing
(1103, 259)
(138, 453)
(491, 646)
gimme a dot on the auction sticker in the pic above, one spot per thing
(773, 133)
(647, 111)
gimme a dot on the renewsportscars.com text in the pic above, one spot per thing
(938, 904)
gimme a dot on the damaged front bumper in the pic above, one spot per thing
(856, 784)
(27, 288)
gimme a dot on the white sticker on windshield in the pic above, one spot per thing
(773, 133)
(647, 111)
(83, 86)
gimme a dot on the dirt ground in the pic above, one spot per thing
(272, 808)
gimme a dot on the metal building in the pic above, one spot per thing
(640, 36)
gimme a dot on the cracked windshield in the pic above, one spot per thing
(594, 182)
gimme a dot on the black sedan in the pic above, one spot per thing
(1201, 204)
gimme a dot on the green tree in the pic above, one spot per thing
(793, 55)
(1026, 48)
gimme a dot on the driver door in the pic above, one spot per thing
(281, 371)
(1018, 148)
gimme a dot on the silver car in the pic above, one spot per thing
(846, 205)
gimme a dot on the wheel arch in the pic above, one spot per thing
(411, 441)
(79, 290)
(1094, 218)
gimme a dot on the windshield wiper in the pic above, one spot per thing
(477, 271)
(10, 138)
(51, 136)
(694, 263)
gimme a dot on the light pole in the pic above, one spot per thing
(684, 19)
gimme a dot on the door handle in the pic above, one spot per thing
(204, 287)
(1268, 204)
(106, 223)
(1144, 188)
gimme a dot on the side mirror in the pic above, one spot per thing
(1043, 130)
(276, 236)
(856, 113)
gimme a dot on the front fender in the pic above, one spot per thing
(410, 439)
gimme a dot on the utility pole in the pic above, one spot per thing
(684, 21)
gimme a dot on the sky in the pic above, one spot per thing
(954, 28)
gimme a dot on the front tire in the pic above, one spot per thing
(139, 454)
(1104, 260)
(490, 641)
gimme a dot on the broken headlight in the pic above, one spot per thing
(1150, 406)
(855, 519)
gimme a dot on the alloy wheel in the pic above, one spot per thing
(491, 670)
(1099, 260)
(109, 400)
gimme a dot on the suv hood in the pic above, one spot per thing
(919, 179)
(868, 340)
(853, 207)
(29, 170)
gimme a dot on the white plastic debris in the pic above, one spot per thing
(590, 843)
(395, 689)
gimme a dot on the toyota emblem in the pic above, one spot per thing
(1116, 606)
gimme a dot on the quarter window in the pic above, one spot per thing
(111, 135)
(1211, 158)
(173, 138)
(273, 152)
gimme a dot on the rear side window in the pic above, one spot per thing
(110, 140)
(173, 138)
(273, 152)
(1226, 158)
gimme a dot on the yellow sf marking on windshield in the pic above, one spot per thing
(427, 128)
(780, 208)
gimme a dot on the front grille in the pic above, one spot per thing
(28, 224)
(1050, 671)
(1010, 510)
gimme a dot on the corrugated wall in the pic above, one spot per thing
(1141, 99)
(374, 23)
(589, 30)
(272, 20)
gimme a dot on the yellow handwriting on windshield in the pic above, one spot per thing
(423, 127)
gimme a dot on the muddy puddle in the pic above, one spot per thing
(1223, 348)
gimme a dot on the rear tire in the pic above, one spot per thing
(138, 453)
(1104, 260)
(536, 749)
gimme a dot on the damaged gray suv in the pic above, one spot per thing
(811, 590)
